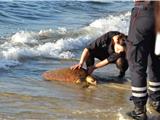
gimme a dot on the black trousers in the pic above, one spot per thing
(140, 54)
(121, 62)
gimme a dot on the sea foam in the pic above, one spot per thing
(58, 43)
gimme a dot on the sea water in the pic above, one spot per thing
(36, 36)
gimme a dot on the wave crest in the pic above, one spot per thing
(59, 43)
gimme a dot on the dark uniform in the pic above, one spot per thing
(141, 41)
(103, 48)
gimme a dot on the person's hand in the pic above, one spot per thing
(118, 48)
(90, 69)
(77, 66)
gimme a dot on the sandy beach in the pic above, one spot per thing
(36, 36)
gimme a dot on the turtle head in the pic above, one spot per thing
(87, 81)
(90, 80)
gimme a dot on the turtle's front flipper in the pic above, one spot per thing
(90, 80)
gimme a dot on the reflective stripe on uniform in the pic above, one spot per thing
(154, 83)
(139, 94)
(139, 91)
(153, 89)
(139, 88)
(154, 86)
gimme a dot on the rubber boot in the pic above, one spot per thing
(155, 105)
(139, 113)
(154, 100)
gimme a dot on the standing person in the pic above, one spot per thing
(109, 48)
(141, 41)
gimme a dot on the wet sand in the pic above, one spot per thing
(51, 100)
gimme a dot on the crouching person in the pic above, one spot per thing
(109, 48)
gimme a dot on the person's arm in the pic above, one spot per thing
(83, 58)
(90, 48)
(114, 56)
(98, 65)
(101, 64)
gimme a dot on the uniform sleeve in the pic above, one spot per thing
(114, 56)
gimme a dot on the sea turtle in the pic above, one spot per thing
(68, 75)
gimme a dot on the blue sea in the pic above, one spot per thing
(36, 36)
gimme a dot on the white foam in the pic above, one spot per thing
(61, 48)
(50, 32)
(60, 43)
(112, 23)
(25, 37)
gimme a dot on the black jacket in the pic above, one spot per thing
(102, 47)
